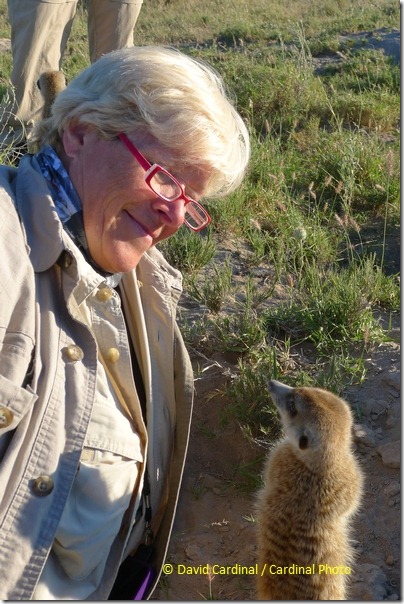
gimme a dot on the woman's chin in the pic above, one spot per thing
(123, 260)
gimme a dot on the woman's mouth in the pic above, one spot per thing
(140, 226)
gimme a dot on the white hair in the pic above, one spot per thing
(180, 101)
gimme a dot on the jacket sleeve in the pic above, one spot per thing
(17, 317)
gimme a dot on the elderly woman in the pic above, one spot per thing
(95, 383)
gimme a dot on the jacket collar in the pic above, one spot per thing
(43, 229)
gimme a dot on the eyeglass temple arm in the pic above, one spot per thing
(140, 158)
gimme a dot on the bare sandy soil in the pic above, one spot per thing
(214, 524)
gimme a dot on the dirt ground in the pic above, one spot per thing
(214, 523)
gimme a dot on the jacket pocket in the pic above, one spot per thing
(93, 515)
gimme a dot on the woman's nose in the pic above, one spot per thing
(171, 212)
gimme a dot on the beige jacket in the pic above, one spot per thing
(48, 362)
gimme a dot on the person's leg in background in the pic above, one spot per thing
(40, 30)
(110, 25)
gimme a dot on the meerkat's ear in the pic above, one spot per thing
(279, 389)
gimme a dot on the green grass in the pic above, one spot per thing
(319, 212)
(187, 252)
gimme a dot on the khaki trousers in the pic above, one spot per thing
(40, 30)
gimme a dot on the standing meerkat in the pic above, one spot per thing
(313, 486)
(50, 83)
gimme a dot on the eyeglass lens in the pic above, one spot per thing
(195, 216)
(165, 186)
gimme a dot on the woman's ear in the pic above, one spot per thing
(73, 138)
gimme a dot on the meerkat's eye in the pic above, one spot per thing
(303, 442)
(291, 407)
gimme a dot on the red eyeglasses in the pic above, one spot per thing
(163, 184)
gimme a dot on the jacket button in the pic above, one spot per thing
(113, 355)
(73, 353)
(66, 260)
(42, 486)
(104, 294)
(6, 417)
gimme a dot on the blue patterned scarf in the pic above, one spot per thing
(68, 205)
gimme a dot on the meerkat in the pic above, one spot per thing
(50, 83)
(313, 486)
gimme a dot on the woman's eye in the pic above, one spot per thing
(163, 179)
